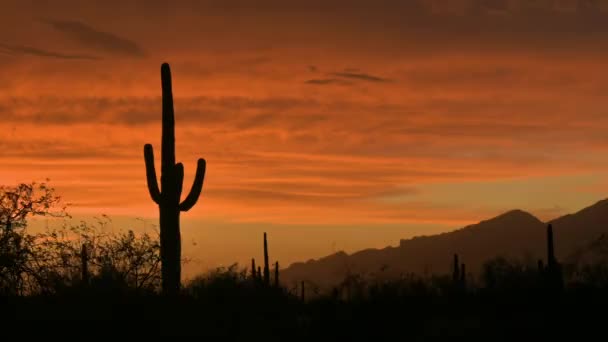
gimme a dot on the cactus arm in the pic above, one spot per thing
(197, 186)
(151, 174)
(179, 179)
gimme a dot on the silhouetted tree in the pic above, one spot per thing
(88, 254)
(168, 195)
(17, 204)
(84, 261)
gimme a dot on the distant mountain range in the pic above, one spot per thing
(514, 234)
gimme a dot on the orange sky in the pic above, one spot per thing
(336, 126)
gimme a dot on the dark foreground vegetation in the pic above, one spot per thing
(80, 277)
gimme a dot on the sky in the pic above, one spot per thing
(333, 125)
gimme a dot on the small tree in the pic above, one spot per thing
(17, 205)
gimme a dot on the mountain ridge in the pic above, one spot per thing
(514, 233)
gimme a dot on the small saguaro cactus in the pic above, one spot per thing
(253, 273)
(266, 265)
(259, 273)
(456, 270)
(463, 276)
(168, 196)
(553, 270)
(276, 274)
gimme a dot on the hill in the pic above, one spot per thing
(513, 234)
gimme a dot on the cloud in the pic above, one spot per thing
(28, 50)
(326, 81)
(360, 76)
(102, 41)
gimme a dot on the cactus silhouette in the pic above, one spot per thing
(553, 270)
(456, 270)
(463, 276)
(259, 273)
(302, 294)
(551, 261)
(168, 195)
(266, 266)
(253, 274)
(276, 274)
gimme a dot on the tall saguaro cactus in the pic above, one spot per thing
(168, 195)
(266, 265)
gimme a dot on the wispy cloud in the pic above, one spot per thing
(326, 81)
(100, 40)
(360, 76)
(29, 50)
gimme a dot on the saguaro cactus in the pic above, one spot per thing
(266, 265)
(276, 274)
(463, 276)
(553, 271)
(253, 273)
(456, 270)
(550, 251)
(169, 194)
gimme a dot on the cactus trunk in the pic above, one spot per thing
(276, 274)
(253, 274)
(463, 276)
(169, 194)
(266, 265)
(550, 250)
(456, 269)
(553, 271)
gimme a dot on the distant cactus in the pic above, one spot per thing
(276, 274)
(551, 261)
(168, 195)
(302, 293)
(266, 265)
(84, 262)
(456, 270)
(253, 273)
(463, 276)
(259, 273)
(553, 271)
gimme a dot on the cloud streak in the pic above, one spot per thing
(99, 40)
(360, 76)
(326, 81)
(29, 50)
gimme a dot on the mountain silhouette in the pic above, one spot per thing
(513, 234)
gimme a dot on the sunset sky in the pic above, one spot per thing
(333, 125)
